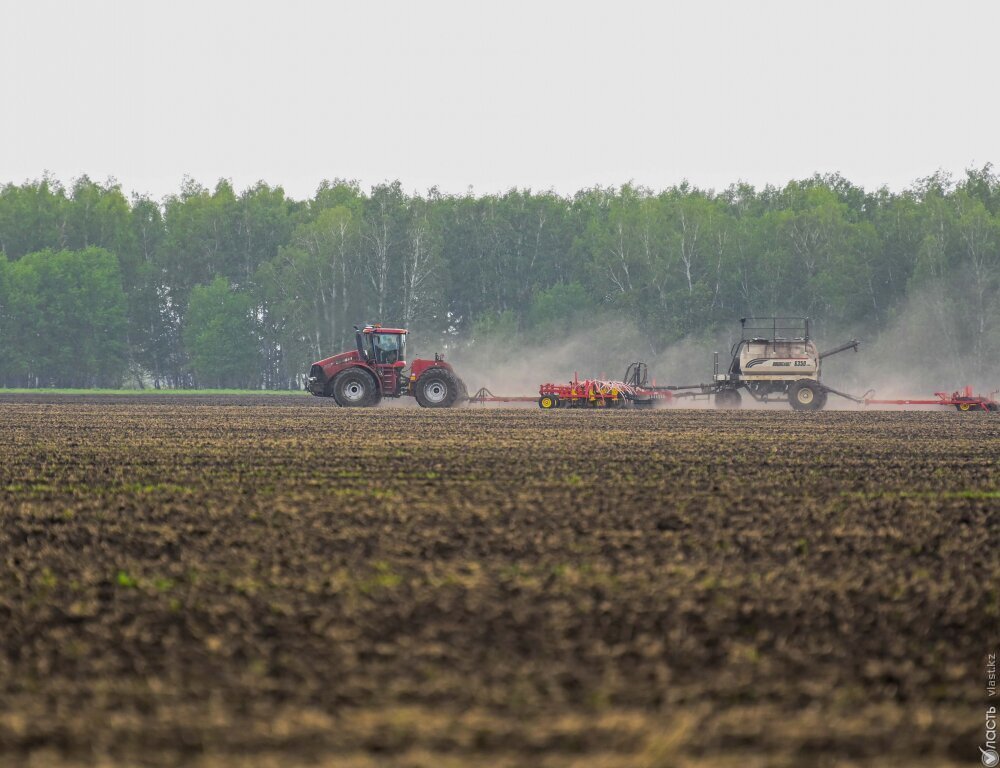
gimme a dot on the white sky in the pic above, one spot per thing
(559, 95)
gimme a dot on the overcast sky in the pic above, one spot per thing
(559, 95)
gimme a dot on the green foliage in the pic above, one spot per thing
(220, 332)
(6, 342)
(498, 327)
(65, 319)
(32, 216)
(122, 579)
(560, 307)
(247, 288)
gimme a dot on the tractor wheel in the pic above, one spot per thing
(728, 399)
(806, 395)
(438, 388)
(355, 388)
(548, 402)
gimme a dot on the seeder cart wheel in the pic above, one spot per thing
(806, 395)
(728, 399)
(548, 402)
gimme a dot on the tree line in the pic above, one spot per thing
(219, 288)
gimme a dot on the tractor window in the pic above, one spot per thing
(388, 348)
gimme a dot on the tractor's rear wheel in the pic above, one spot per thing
(728, 399)
(438, 388)
(806, 395)
(355, 388)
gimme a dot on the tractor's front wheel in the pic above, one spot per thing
(806, 395)
(355, 388)
(438, 389)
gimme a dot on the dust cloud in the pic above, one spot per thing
(603, 351)
(917, 354)
(929, 346)
(509, 367)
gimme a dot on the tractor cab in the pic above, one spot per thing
(384, 350)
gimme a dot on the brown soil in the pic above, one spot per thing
(262, 581)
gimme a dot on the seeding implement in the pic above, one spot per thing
(589, 393)
(775, 360)
(632, 390)
(962, 400)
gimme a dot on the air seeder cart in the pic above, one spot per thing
(775, 359)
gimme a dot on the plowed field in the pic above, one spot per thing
(248, 581)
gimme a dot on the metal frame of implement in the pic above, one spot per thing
(585, 393)
(962, 400)
(600, 393)
(483, 395)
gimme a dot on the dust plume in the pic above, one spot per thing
(927, 347)
(517, 366)
(932, 344)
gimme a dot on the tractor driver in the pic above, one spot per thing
(387, 347)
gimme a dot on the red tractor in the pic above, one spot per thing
(377, 368)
